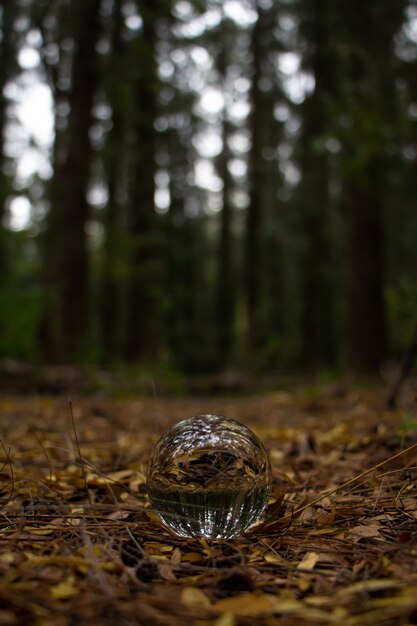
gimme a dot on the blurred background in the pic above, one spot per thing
(201, 186)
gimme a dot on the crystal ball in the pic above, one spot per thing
(209, 476)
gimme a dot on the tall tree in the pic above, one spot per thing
(226, 272)
(118, 92)
(143, 301)
(371, 30)
(66, 266)
(188, 303)
(259, 130)
(7, 68)
(313, 192)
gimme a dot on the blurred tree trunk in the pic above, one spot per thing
(314, 189)
(7, 63)
(365, 182)
(65, 316)
(272, 275)
(262, 273)
(366, 311)
(252, 269)
(143, 301)
(226, 289)
(114, 162)
(188, 304)
(225, 284)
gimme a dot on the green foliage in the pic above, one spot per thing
(408, 423)
(402, 310)
(20, 300)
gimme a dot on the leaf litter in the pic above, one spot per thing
(80, 544)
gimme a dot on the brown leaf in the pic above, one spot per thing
(366, 531)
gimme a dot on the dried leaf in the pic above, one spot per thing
(273, 557)
(227, 619)
(176, 557)
(248, 604)
(366, 531)
(304, 583)
(193, 557)
(194, 597)
(64, 590)
(370, 585)
(165, 571)
(308, 561)
(7, 557)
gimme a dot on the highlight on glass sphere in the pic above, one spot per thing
(209, 476)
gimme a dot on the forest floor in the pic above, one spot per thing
(79, 544)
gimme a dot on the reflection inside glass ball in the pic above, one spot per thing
(209, 476)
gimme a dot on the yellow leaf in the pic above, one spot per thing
(193, 597)
(193, 557)
(248, 604)
(64, 590)
(255, 555)
(227, 619)
(206, 548)
(79, 563)
(152, 547)
(304, 583)
(277, 455)
(191, 580)
(339, 613)
(271, 557)
(370, 585)
(109, 566)
(308, 561)
(162, 547)
(7, 557)
(249, 471)
(386, 562)
(318, 601)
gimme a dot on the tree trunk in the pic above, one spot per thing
(366, 311)
(65, 318)
(225, 284)
(252, 270)
(314, 194)
(6, 63)
(114, 161)
(363, 195)
(143, 289)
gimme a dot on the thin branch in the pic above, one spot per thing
(80, 458)
(46, 455)
(9, 462)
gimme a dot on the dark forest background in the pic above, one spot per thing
(232, 184)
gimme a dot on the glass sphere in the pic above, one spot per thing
(209, 476)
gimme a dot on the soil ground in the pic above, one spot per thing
(79, 543)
